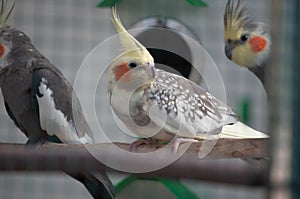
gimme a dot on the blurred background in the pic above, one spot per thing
(66, 32)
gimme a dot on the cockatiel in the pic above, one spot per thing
(38, 98)
(153, 103)
(247, 42)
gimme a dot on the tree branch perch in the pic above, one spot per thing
(221, 165)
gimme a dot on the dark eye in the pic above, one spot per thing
(244, 38)
(132, 64)
(148, 63)
(7, 36)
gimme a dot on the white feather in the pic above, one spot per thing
(54, 121)
(240, 131)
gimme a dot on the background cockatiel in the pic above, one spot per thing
(247, 42)
(38, 98)
(153, 103)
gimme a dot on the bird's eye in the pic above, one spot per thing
(244, 38)
(150, 63)
(7, 36)
(132, 64)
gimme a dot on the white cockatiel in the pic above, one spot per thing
(156, 104)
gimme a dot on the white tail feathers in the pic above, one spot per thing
(241, 131)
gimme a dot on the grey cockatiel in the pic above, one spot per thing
(247, 42)
(161, 105)
(38, 98)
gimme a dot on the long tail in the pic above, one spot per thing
(98, 184)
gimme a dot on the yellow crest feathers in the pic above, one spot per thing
(128, 42)
(235, 15)
(117, 21)
(5, 13)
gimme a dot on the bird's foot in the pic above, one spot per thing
(36, 142)
(42, 141)
(206, 146)
(142, 141)
(178, 141)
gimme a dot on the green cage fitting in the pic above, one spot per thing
(174, 186)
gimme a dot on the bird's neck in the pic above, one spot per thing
(259, 71)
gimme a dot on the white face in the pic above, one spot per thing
(127, 70)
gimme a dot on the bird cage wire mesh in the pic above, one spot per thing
(66, 31)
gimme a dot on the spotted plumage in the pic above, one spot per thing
(158, 104)
(181, 98)
(176, 94)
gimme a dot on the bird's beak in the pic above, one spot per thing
(228, 50)
(150, 70)
(153, 72)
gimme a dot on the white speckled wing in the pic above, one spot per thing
(184, 108)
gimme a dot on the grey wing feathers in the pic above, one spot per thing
(65, 102)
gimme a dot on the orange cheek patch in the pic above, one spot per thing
(257, 44)
(2, 50)
(120, 71)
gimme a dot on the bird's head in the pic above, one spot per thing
(247, 42)
(14, 44)
(6, 32)
(134, 65)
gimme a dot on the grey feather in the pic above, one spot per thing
(21, 72)
(62, 90)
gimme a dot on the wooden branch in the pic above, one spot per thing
(63, 157)
(224, 148)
